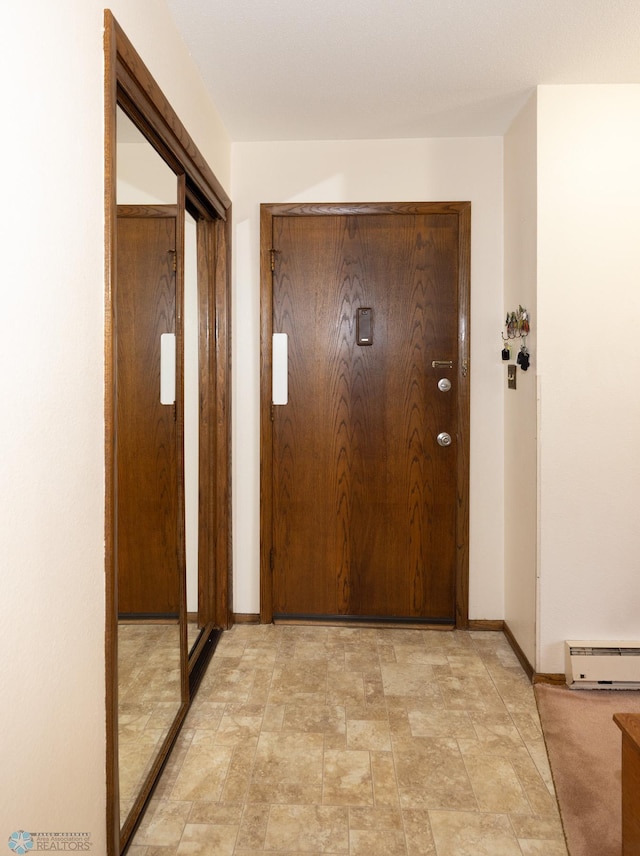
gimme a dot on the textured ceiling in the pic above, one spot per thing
(358, 69)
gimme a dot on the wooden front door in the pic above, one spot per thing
(367, 514)
(148, 528)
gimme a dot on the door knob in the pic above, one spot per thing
(444, 439)
(444, 384)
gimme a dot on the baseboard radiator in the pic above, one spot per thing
(602, 665)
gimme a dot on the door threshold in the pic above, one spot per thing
(366, 621)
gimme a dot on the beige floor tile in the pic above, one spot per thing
(361, 660)
(412, 680)
(495, 784)
(240, 725)
(541, 801)
(203, 770)
(260, 687)
(368, 734)
(347, 778)
(243, 852)
(473, 834)
(371, 709)
(316, 829)
(440, 723)
(225, 685)
(380, 842)
(497, 733)
(385, 782)
(345, 687)
(543, 848)
(294, 679)
(335, 741)
(201, 839)
(401, 636)
(538, 753)
(386, 652)
(236, 785)
(528, 725)
(319, 718)
(324, 650)
(400, 727)
(273, 717)
(163, 715)
(174, 764)
(134, 850)
(470, 693)
(253, 827)
(535, 827)
(258, 658)
(287, 767)
(418, 834)
(219, 814)
(435, 777)
(205, 714)
(466, 664)
(419, 655)
(373, 689)
(163, 823)
(374, 818)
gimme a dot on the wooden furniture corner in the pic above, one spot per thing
(629, 725)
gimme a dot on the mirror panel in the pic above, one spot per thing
(149, 638)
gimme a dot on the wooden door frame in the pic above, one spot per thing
(462, 210)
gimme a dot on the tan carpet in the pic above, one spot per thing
(583, 744)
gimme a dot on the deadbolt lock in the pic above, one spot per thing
(444, 439)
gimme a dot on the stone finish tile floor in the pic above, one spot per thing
(357, 742)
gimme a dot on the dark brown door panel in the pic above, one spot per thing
(365, 501)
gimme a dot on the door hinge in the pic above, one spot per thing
(272, 258)
(174, 260)
(271, 560)
(273, 413)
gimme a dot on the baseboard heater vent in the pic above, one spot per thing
(606, 665)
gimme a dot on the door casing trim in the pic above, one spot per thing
(463, 211)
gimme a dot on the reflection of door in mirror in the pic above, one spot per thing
(148, 574)
(148, 461)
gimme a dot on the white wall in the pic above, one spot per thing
(371, 171)
(52, 740)
(520, 435)
(588, 312)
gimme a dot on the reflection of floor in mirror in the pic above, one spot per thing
(148, 700)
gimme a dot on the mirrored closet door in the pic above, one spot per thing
(167, 427)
